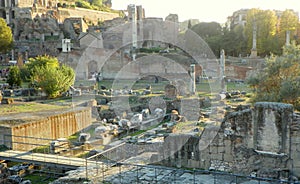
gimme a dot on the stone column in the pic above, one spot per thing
(193, 79)
(12, 54)
(287, 39)
(134, 30)
(253, 50)
(222, 70)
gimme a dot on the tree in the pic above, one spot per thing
(288, 22)
(234, 41)
(40, 61)
(207, 29)
(96, 2)
(211, 32)
(14, 77)
(6, 38)
(47, 74)
(266, 31)
(265, 23)
(279, 81)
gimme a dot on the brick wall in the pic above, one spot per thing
(51, 127)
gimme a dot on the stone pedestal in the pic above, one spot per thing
(253, 53)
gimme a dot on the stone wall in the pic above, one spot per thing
(25, 3)
(271, 133)
(39, 48)
(53, 126)
(5, 140)
(237, 72)
(248, 141)
(89, 15)
(295, 140)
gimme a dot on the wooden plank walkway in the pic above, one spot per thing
(48, 159)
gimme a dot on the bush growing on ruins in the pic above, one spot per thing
(47, 74)
(14, 77)
(6, 38)
(280, 79)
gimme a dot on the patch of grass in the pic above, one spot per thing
(137, 132)
(27, 107)
(82, 155)
(74, 137)
(40, 178)
(202, 88)
(184, 127)
(42, 149)
(237, 86)
(58, 100)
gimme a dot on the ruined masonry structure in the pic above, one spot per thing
(20, 132)
(262, 140)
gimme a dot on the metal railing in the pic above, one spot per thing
(135, 173)
(107, 170)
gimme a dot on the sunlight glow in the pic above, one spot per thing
(204, 10)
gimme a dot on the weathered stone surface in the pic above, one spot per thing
(170, 91)
(7, 101)
(231, 146)
(43, 125)
(158, 175)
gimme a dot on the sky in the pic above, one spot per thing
(204, 10)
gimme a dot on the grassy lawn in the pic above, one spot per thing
(238, 86)
(27, 107)
(160, 87)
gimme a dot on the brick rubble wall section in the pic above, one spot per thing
(52, 127)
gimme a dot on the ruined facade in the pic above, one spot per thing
(111, 50)
(38, 26)
(262, 141)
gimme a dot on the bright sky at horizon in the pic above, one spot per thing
(204, 10)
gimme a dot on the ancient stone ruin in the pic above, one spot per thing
(261, 141)
(170, 91)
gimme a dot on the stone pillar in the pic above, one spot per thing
(253, 50)
(12, 54)
(134, 30)
(26, 55)
(287, 39)
(222, 70)
(193, 79)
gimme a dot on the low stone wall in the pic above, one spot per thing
(27, 136)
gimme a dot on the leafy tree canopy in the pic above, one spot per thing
(41, 61)
(288, 21)
(279, 81)
(14, 77)
(47, 74)
(211, 32)
(207, 29)
(6, 37)
(265, 23)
